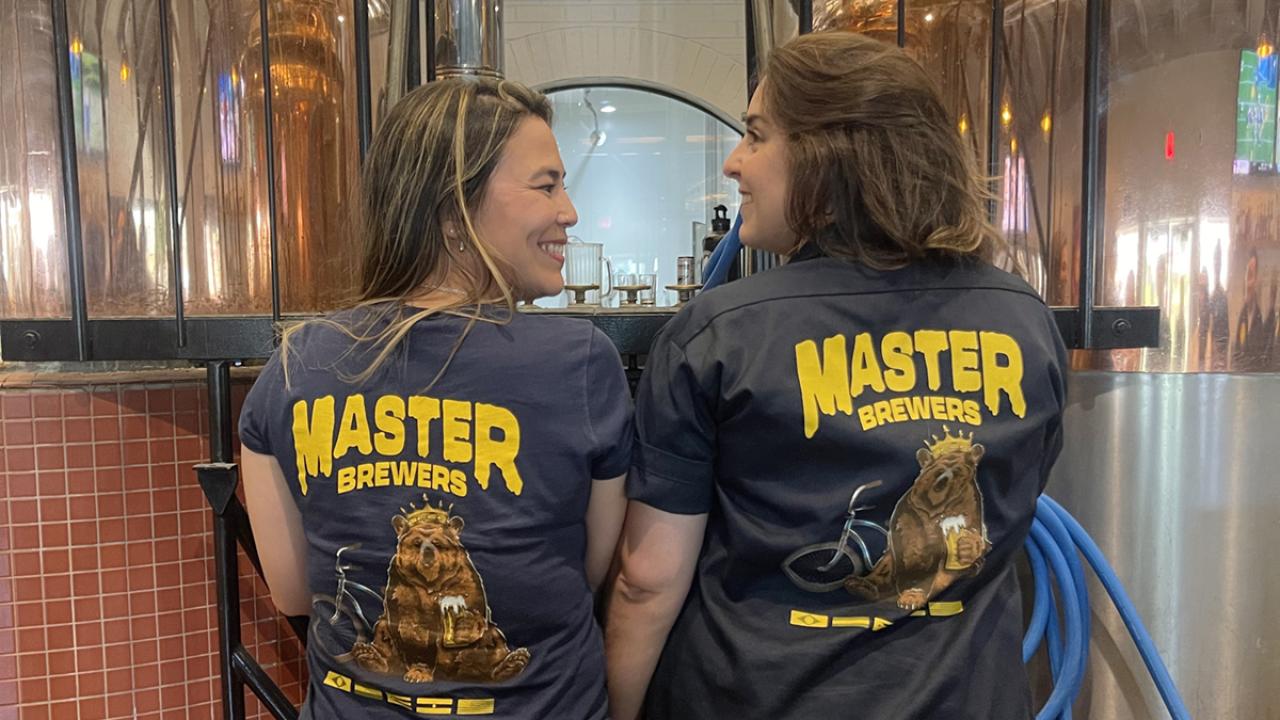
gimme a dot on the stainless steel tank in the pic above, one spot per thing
(468, 38)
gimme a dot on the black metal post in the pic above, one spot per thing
(224, 538)
(70, 178)
(995, 87)
(270, 140)
(219, 478)
(429, 71)
(806, 17)
(220, 435)
(225, 567)
(1091, 211)
(364, 113)
(171, 176)
(902, 23)
(413, 48)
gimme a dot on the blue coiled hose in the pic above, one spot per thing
(1064, 564)
(1055, 531)
(1054, 547)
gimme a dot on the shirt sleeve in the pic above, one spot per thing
(609, 414)
(1058, 378)
(260, 405)
(675, 434)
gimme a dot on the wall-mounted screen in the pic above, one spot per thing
(1256, 114)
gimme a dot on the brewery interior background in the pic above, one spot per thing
(108, 591)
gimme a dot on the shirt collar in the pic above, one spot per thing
(807, 251)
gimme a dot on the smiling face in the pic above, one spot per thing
(760, 167)
(525, 214)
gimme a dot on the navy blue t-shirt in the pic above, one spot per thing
(445, 522)
(868, 447)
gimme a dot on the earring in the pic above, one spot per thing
(462, 247)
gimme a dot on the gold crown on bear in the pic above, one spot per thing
(427, 515)
(949, 443)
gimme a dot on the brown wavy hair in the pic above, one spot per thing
(424, 177)
(879, 173)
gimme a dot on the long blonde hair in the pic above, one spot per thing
(880, 174)
(424, 176)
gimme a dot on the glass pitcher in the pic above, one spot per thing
(586, 269)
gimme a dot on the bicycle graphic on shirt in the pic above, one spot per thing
(814, 562)
(340, 619)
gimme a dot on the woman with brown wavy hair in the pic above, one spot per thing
(838, 459)
(434, 478)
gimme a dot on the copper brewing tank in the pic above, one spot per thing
(316, 159)
(220, 129)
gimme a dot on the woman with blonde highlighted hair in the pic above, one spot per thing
(433, 477)
(838, 459)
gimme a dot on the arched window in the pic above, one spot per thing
(643, 168)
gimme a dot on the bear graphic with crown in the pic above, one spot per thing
(437, 624)
(936, 532)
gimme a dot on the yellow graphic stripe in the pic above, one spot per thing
(420, 705)
(434, 706)
(861, 621)
(945, 608)
(334, 680)
(800, 618)
(804, 619)
(940, 609)
(475, 706)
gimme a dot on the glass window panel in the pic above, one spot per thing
(119, 113)
(1191, 181)
(953, 41)
(33, 259)
(220, 137)
(1041, 135)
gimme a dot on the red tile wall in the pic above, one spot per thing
(107, 593)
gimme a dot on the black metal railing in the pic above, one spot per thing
(219, 478)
